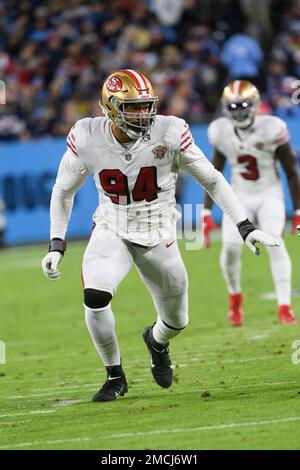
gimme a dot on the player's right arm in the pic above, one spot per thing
(72, 173)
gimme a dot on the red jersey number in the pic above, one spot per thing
(115, 185)
(146, 185)
(250, 165)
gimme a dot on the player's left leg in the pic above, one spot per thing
(163, 272)
(271, 219)
(230, 262)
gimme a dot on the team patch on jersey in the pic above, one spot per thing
(160, 151)
(259, 145)
(114, 84)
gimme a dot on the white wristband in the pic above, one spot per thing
(297, 212)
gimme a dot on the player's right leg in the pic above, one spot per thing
(106, 262)
(230, 262)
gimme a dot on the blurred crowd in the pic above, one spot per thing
(55, 54)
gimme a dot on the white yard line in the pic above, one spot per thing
(261, 384)
(44, 443)
(156, 432)
(257, 337)
(33, 412)
(204, 428)
(132, 363)
(52, 395)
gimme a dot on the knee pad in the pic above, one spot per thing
(173, 310)
(95, 299)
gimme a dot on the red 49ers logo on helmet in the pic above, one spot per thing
(114, 84)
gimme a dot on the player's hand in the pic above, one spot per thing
(208, 225)
(257, 236)
(50, 263)
(298, 228)
(296, 221)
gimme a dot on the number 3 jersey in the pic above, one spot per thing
(251, 153)
(136, 183)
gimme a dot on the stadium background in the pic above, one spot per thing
(54, 57)
(234, 388)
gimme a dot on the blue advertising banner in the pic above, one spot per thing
(27, 175)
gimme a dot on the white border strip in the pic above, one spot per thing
(43, 443)
(34, 412)
(205, 428)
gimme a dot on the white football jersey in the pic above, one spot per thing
(135, 181)
(251, 153)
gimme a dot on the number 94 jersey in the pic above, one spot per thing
(251, 153)
(136, 182)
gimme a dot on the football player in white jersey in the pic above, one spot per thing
(253, 145)
(134, 156)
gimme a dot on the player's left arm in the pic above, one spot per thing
(193, 162)
(286, 156)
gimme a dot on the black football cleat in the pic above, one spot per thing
(115, 385)
(161, 366)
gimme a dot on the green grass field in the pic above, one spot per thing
(234, 388)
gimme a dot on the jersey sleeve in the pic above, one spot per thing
(71, 142)
(281, 135)
(178, 135)
(71, 175)
(186, 138)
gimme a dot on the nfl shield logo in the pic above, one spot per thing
(160, 151)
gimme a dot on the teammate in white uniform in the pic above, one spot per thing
(133, 156)
(253, 145)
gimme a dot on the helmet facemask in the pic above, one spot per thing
(240, 101)
(135, 124)
(241, 112)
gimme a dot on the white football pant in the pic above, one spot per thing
(107, 260)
